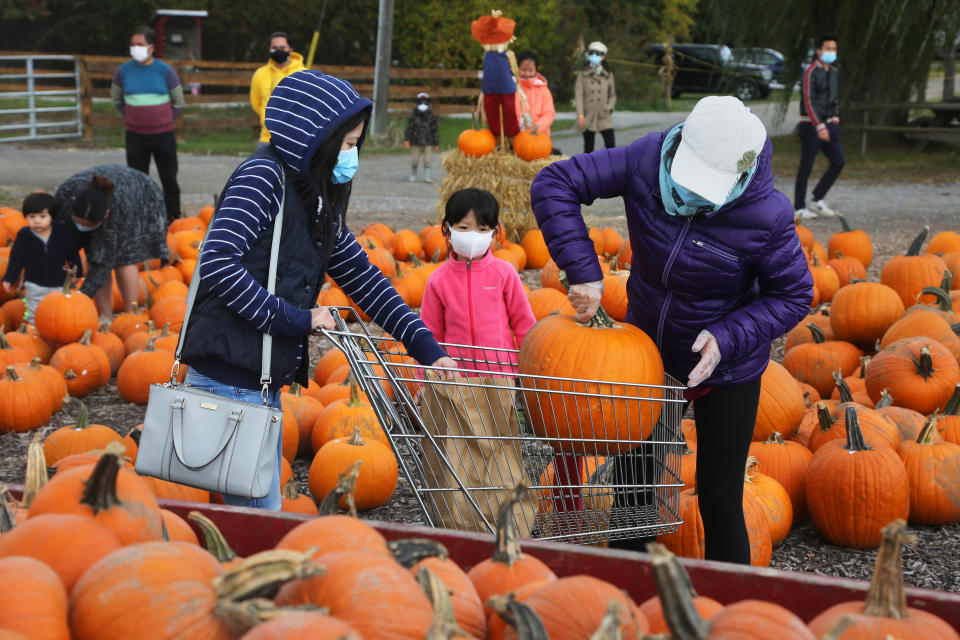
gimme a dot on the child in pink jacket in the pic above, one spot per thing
(476, 299)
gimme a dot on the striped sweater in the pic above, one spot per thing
(250, 206)
(149, 96)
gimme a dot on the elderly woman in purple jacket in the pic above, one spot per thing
(717, 275)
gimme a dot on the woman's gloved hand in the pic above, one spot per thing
(709, 351)
(585, 299)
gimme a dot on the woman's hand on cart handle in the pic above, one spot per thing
(320, 318)
(709, 351)
(447, 363)
(585, 299)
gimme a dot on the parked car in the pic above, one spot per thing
(712, 68)
(770, 58)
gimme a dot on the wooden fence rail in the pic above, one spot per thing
(451, 90)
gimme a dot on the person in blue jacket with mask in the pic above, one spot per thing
(317, 124)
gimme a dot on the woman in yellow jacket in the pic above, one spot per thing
(283, 61)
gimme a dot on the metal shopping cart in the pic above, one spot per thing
(462, 444)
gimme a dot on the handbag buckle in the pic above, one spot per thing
(174, 371)
(178, 403)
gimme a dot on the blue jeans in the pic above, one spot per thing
(272, 500)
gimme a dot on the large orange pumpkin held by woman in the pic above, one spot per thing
(621, 355)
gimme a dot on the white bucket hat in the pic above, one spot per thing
(596, 45)
(721, 139)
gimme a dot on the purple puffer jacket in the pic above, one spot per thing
(739, 273)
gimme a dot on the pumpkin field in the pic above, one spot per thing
(858, 428)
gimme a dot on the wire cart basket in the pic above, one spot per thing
(463, 444)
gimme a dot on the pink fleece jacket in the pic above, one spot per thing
(480, 302)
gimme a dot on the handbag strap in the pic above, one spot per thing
(265, 357)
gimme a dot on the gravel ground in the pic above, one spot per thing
(892, 214)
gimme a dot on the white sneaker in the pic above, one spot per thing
(821, 207)
(804, 214)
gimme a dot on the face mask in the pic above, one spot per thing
(828, 57)
(85, 228)
(139, 53)
(470, 244)
(423, 107)
(594, 59)
(347, 163)
(690, 198)
(279, 55)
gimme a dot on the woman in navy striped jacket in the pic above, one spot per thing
(317, 125)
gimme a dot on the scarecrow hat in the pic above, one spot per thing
(493, 29)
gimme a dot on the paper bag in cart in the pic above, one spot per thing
(472, 419)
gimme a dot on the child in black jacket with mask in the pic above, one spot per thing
(422, 133)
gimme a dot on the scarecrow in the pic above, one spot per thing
(499, 84)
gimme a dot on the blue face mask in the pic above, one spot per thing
(347, 163)
(828, 57)
(691, 199)
(83, 227)
(594, 59)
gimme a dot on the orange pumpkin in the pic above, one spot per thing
(787, 463)
(63, 316)
(532, 145)
(910, 273)
(296, 502)
(861, 312)
(341, 418)
(378, 475)
(85, 366)
(143, 368)
(920, 374)
(933, 468)
(545, 301)
(773, 498)
(26, 337)
(34, 599)
(781, 403)
(77, 438)
(535, 248)
(619, 354)
(476, 142)
(854, 243)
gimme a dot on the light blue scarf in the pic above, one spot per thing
(680, 201)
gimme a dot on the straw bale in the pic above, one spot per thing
(504, 175)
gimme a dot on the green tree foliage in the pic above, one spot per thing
(885, 46)
(427, 33)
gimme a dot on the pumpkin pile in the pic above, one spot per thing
(94, 541)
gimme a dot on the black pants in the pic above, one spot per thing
(725, 418)
(163, 148)
(590, 136)
(810, 145)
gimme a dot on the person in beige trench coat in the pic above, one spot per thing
(595, 97)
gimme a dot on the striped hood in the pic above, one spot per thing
(302, 111)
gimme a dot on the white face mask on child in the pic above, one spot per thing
(470, 244)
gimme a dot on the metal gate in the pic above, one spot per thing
(40, 97)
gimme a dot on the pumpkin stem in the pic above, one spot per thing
(85, 338)
(262, 574)
(944, 302)
(929, 428)
(955, 328)
(925, 364)
(823, 416)
(508, 542)
(519, 616)
(290, 490)
(885, 400)
(775, 438)
(843, 223)
(295, 389)
(356, 440)
(953, 404)
(816, 332)
(354, 400)
(71, 272)
(83, 418)
(243, 616)
(213, 540)
(346, 487)
(100, 489)
(842, 387)
(752, 463)
(150, 346)
(36, 474)
(855, 441)
(601, 319)
(410, 551)
(609, 628)
(914, 248)
(864, 361)
(164, 330)
(3, 340)
(676, 595)
(444, 626)
(886, 597)
(947, 280)
(7, 521)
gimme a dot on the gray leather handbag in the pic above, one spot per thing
(204, 440)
